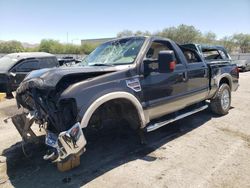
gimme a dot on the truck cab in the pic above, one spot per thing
(182, 82)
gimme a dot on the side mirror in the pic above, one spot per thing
(167, 61)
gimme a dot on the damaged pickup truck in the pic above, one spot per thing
(147, 81)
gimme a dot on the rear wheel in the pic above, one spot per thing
(221, 103)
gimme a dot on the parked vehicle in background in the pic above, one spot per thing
(243, 65)
(148, 82)
(14, 67)
(242, 60)
(68, 61)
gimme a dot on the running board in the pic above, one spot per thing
(163, 123)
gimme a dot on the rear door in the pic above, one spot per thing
(162, 91)
(197, 69)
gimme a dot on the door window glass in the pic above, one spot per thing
(156, 47)
(27, 66)
(191, 56)
(48, 62)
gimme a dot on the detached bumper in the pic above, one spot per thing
(68, 143)
(62, 146)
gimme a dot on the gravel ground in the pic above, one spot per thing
(202, 150)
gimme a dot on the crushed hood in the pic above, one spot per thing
(50, 77)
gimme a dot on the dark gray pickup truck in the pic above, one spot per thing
(147, 81)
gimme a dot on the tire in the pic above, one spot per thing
(221, 104)
(9, 95)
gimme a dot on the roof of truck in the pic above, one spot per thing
(211, 47)
(205, 47)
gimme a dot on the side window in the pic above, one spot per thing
(27, 66)
(191, 56)
(211, 54)
(156, 47)
(223, 55)
(48, 62)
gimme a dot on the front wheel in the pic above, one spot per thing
(221, 103)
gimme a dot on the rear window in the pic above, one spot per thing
(214, 54)
(211, 54)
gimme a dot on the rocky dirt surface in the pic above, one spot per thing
(202, 150)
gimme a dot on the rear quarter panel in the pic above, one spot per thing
(219, 70)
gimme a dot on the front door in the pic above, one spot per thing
(162, 91)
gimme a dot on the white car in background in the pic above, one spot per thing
(243, 65)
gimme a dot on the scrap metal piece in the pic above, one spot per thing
(23, 123)
(70, 163)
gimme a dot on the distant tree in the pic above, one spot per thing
(33, 49)
(228, 43)
(87, 48)
(51, 46)
(71, 49)
(208, 38)
(243, 41)
(142, 33)
(181, 34)
(125, 33)
(11, 47)
(128, 33)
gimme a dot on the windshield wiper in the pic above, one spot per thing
(101, 64)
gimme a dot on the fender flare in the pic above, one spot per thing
(227, 76)
(110, 96)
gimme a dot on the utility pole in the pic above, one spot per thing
(67, 37)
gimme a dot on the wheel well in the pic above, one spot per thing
(225, 80)
(116, 110)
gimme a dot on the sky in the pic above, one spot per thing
(73, 20)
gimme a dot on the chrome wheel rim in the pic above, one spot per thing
(225, 99)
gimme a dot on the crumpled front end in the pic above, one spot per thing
(41, 95)
(61, 146)
(58, 117)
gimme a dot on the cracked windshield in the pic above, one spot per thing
(118, 52)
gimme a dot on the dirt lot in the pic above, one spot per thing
(199, 151)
